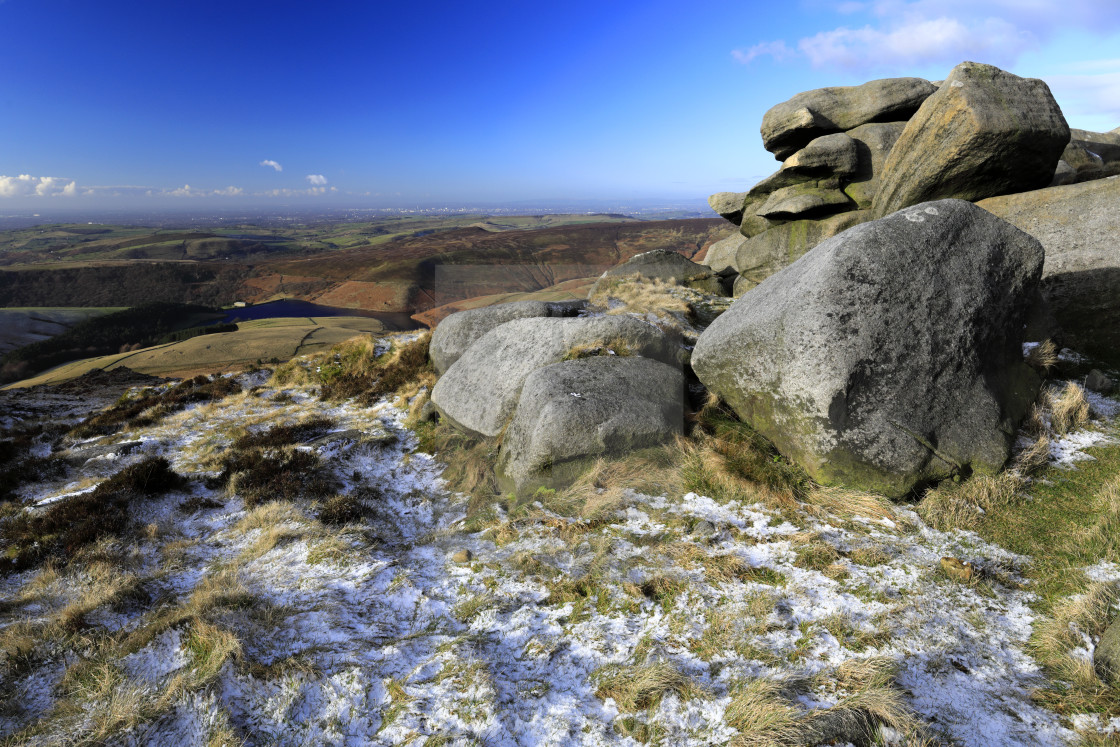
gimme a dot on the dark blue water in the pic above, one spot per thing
(288, 308)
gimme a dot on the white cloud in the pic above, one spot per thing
(26, 185)
(1096, 96)
(229, 191)
(317, 180)
(919, 42)
(273, 164)
(776, 49)
(902, 34)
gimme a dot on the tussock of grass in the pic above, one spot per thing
(148, 409)
(341, 509)
(728, 460)
(62, 528)
(1069, 410)
(962, 505)
(1077, 687)
(1034, 458)
(1043, 357)
(469, 462)
(641, 686)
(762, 715)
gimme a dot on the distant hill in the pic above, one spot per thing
(402, 265)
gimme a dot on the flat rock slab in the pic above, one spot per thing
(460, 330)
(985, 132)
(571, 413)
(479, 392)
(791, 125)
(889, 355)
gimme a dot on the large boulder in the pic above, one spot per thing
(460, 330)
(873, 144)
(985, 132)
(1079, 226)
(479, 391)
(890, 355)
(791, 125)
(763, 255)
(573, 412)
(729, 205)
(662, 264)
(721, 255)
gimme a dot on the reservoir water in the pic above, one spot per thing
(289, 307)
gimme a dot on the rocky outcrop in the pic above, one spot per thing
(985, 132)
(865, 151)
(791, 125)
(458, 332)
(667, 266)
(721, 255)
(571, 413)
(873, 145)
(761, 256)
(889, 355)
(1079, 226)
(729, 205)
(478, 393)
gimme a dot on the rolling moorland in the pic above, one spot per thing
(852, 478)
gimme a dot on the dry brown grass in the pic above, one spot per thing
(1034, 458)
(763, 716)
(642, 296)
(1043, 357)
(1069, 410)
(962, 505)
(639, 686)
(1058, 634)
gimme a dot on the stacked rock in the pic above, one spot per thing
(851, 154)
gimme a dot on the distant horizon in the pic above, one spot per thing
(344, 105)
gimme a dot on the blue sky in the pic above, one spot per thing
(382, 104)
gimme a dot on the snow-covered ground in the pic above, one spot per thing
(375, 635)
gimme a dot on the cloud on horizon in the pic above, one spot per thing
(26, 185)
(316, 180)
(908, 33)
(273, 164)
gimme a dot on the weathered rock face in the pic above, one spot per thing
(985, 132)
(803, 200)
(661, 264)
(721, 255)
(873, 144)
(1079, 226)
(889, 355)
(789, 126)
(761, 256)
(570, 413)
(729, 205)
(479, 391)
(459, 331)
